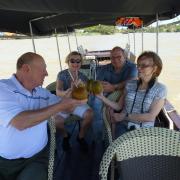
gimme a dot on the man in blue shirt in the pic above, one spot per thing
(113, 77)
(25, 108)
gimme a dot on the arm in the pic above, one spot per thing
(108, 87)
(130, 74)
(155, 108)
(31, 118)
(60, 91)
(114, 105)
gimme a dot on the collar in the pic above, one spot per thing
(20, 87)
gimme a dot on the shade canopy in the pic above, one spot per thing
(15, 15)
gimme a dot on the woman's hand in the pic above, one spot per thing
(68, 92)
(116, 117)
(77, 83)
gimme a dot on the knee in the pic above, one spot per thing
(59, 123)
(88, 115)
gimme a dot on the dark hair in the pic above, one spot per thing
(73, 53)
(26, 58)
(156, 61)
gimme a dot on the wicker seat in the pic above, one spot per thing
(145, 154)
(52, 142)
(52, 87)
(107, 126)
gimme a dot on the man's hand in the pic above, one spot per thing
(69, 104)
(107, 87)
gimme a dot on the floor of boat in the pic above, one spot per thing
(78, 165)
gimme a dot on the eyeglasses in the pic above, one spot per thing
(73, 61)
(115, 57)
(143, 66)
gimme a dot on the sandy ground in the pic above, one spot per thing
(169, 50)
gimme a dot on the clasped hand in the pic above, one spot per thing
(116, 117)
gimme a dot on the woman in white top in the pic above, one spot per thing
(143, 98)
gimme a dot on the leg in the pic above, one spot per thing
(60, 126)
(9, 169)
(86, 123)
(61, 129)
(36, 167)
(34, 171)
(96, 104)
(86, 113)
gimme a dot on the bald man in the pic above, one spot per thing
(25, 108)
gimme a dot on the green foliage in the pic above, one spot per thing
(102, 29)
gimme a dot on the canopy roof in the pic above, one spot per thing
(15, 15)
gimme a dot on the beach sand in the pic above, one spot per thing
(169, 51)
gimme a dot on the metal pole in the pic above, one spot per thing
(128, 37)
(142, 38)
(68, 39)
(76, 39)
(134, 41)
(59, 57)
(32, 36)
(157, 33)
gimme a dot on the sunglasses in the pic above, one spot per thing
(143, 66)
(73, 61)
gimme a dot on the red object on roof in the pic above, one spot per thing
(129, 21)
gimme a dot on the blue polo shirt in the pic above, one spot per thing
(14, 99)
(107, 73)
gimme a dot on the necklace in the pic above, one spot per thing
(73, 79)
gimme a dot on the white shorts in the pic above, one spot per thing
(79, 111)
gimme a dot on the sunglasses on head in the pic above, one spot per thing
(77, 61)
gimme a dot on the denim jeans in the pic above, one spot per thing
(96, 104)
(121, 128)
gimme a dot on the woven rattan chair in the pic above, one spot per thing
(52, 147)
(145, 154)
(52, 87)
(107, 126)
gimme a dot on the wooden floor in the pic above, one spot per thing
(78, 165)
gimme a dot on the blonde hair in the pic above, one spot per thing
(73, 53)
